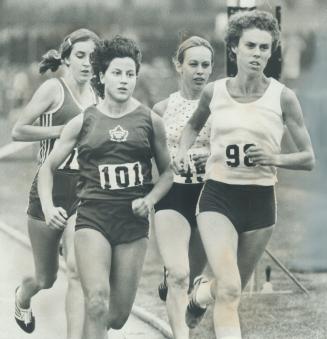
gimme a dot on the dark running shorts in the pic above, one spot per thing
(64, 194)
(182, 198)
(114, 219)
(248, 207)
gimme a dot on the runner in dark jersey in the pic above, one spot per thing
(116, 141)
(56, 102)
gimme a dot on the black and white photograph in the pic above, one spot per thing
(163, 169)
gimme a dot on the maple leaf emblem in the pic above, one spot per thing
(118, 134)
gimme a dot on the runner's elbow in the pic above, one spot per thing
(16, 134)
(311, 163)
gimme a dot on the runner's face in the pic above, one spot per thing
(79, 60)
(120, 79)
(196, 68)
(253, 50)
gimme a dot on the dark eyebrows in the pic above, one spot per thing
(251, 43)
(126, 71)
(198, 61)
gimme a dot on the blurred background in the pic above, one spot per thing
(28, 28)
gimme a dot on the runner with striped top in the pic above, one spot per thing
(54, 104)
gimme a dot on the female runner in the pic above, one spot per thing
(116, 141)
(175, 224)
(236, 209)
(56, 102)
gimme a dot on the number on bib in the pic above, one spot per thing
(71, 161)
(236, 155)
(115, 177)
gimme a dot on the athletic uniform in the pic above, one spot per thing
(234, 186)
(115, 169)
(66, 177)
(184, 194)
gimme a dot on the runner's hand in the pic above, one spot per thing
(260, 156)
(200, 161)
(180, 163)
(56, 218)
(142, 207)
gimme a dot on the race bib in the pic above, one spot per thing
(121, 176)
(70, 162)
(195, 173)
(236, 155)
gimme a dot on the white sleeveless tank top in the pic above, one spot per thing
(235, 126)
(178, 112)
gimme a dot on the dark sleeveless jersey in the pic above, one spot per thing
(114, 155)
(60, 115)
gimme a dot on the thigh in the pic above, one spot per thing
(68, 242)
(220, 241)
(251, 246)
(197, 255)
(126, 268)
(45, 246)
(93, 258)
(173, 235)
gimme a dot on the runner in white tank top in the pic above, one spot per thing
(236, 208)
(175, 223)
(236, 126)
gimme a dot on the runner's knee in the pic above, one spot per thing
(46, 282)
(228, 291)
(96, 303)
(178, 277)
(118, 319)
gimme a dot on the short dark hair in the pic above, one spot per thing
(118, 47)
(250, 19)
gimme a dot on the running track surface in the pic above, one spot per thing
(48, 306)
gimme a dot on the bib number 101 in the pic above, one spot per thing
(115, 177)
(236, 155)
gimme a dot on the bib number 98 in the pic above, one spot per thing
(236, 156)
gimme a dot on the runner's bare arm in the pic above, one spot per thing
(46, 97)
(193, 127)
(63, 148)
(304, 158)
(161, 107)
(162, 158)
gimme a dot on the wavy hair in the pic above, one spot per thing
(118, 47)
(250, 19)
